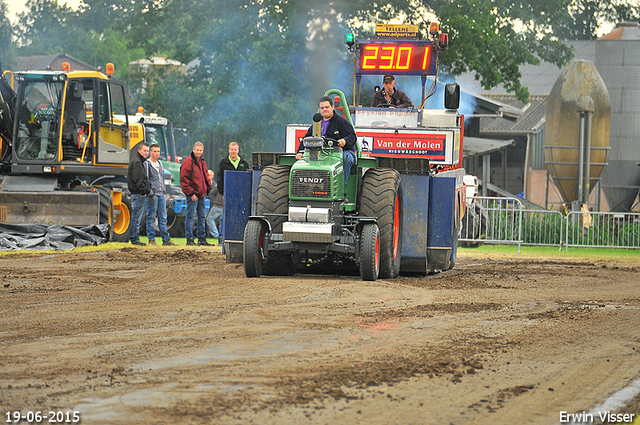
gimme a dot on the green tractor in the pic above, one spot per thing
(304, 215)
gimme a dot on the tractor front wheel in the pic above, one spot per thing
(272, 202)
(369, 252)
(253, 249)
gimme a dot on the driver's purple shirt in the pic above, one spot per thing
(325, 124)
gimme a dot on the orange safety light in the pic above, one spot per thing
(110, 69)
(434, 28)
(444, 40)
(66, 66)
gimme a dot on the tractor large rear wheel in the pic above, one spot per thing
(381, 197)
(272, 202)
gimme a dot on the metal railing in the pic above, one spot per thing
(494, 220)
(602, 230)
(500, 220)
(543, 228)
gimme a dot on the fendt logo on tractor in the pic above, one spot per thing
(314, 180)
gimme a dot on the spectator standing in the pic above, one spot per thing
(139, 187)
(157, 199)
(215, 209)
(232, 162)
(195, 186)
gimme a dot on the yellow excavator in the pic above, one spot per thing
(64, 149)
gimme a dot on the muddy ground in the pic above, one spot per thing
(178, 336)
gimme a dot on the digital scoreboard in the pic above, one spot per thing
(398, 57)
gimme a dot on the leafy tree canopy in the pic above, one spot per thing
(255, 65)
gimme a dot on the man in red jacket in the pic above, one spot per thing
(195, 186)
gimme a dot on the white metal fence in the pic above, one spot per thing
(499, 220)
(603, 230)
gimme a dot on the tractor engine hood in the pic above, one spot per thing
(316, 179)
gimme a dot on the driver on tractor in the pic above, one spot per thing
(389, 96)
(335, 127)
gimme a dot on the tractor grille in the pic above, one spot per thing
(311, 184)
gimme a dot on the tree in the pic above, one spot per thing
(44, 27)
(259, 64)
(483, 35)
(6, 32)
(585, 17)
(246, 85)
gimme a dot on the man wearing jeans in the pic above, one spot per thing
(195, 186)
(139, 187)
(156, 201)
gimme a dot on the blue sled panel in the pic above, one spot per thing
(237, 204)
(415, 223)
(442, 210)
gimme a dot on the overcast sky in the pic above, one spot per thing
(17, 6)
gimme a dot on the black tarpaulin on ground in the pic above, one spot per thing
(57, 236)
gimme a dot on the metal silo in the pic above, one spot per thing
(618, 61)
(577, 130)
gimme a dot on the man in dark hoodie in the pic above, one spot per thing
(195, 186)
(337, 128)
(139, 187)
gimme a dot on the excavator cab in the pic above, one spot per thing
(76, 116)
(40, 100)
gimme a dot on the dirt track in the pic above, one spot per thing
(177, 336)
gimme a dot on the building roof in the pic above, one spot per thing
(533, 117)
(475, 146)
(53, 62)
(156, 60)
(624, 31)
(539, 79)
